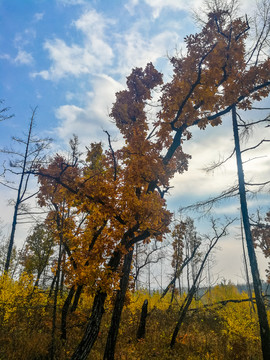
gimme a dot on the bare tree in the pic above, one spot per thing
(264, 326)
(186, 303)
(22, 166)
(145, 254)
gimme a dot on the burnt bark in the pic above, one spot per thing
(76, 298)
(65, 313)
(118, 307)
(182, 313)
(142, 325)
(92, 329)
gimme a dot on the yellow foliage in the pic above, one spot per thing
(209, 332)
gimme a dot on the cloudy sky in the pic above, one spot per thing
(69, 57)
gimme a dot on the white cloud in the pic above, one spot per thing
(24, 38)
(5, 56)
(136, 51)
(131, 5)
(159, 5)
(89, 121)
(38, 16)
(23, 58)
(69, 115)
(247, 6)
(206, 146)
(89, 58)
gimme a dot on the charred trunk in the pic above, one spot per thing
(118, 307)
(142, 325)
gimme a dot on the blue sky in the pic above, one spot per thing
(69, 57)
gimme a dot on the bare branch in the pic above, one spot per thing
(255, 146)
(218, 164)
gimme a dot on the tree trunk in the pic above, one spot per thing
(65, 312)
(141, 329)
(262, 315)
(90, 335)
(13, 229)
(20, 194)
(183, 311)
(118, 307)
(92, 329)
(76, 298)
(52, 344)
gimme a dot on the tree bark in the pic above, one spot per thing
(52, 344)
(261, 310)
(65, 312)
(92, 329)
(183, 311)
(20, 194)
(90, 335)
(118, 307)
(142, 325)
(76, 298)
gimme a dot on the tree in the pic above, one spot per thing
(145, 255)
(191, 242)
(23, 165)
(126, 188)
(3, 254)
(262, 314)
(37, 251)
(188, 299)
(179, 262)
(178, 235)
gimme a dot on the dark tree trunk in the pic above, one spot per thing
(90, 335)
(182, 313)
(142, 325)
(76, 298)
(65, 312)
(56, 290)
(52, 285)
(13, 229)
(20, 193)
(173, 293)
(92, 329)
(118, 307)
(262, 315)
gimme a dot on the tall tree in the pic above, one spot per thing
(38, 248)
(126, 188)
(23, 165)
(261, 309)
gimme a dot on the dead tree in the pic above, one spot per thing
(22, 166)
(185, 306)
(261, 310)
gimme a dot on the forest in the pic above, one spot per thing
(73, 291)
